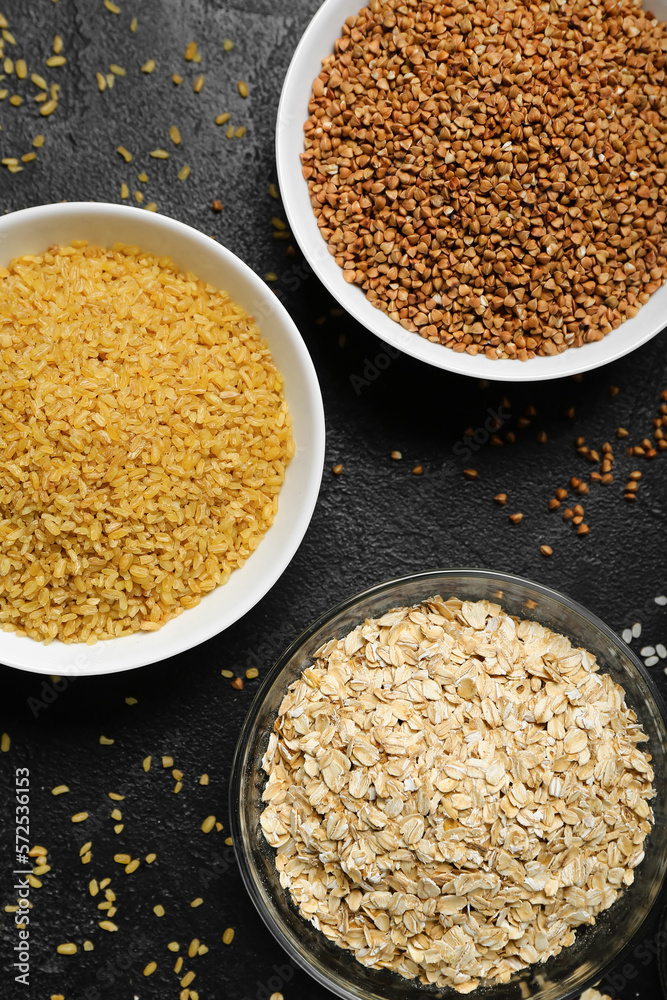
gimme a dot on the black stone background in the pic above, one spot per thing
(375, 521)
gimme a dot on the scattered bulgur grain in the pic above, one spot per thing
(251, 673)
(228, 45)
(167, 761)
(79, 817)
(187, 978)
(190, 50)
(198, 84)
(150, 858)
(88, 946)
(148, 66)
(132, 867)
(176, 79)
(146, 764)
(112, 7)
(48, 108)
(133, 24)
(228, 936)
(243, 88)
(175, 135)
(93, 887)
(38, 141)
(116, 70)
(125, 153)
(193, 948)
(227, 673)
(223, 118)
(54, 61)
(184, 173)
(240, 131)
(173, 946)
(5, 742)
(159, 154)
(106, 742)
(69, 948)
(197, 901)
(208, 824)
(203, 779)
(150, 968)
(273, 190)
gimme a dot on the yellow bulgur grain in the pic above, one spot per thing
(184, 173)
(177, 436)
(175, 135)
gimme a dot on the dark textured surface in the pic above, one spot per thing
(375, 521)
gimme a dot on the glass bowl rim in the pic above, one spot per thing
(494, 576)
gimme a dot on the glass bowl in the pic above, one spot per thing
(596, 947)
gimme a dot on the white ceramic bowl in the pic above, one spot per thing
(31, 231)
(316, 43)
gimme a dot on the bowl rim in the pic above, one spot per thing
(236, 773)
(80, 663)
(351, 297)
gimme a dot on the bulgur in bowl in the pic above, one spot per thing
(162, 438)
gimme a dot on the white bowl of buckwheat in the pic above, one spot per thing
(489, 204)
(460, 790)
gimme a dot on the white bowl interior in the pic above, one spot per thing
(32, 231)
(316, 43)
